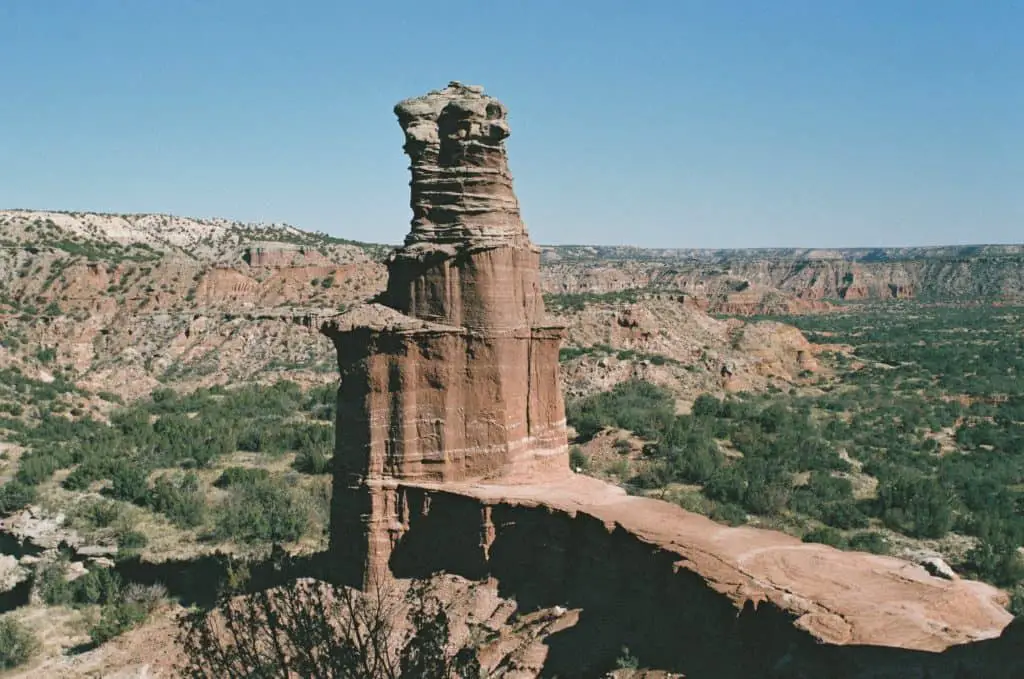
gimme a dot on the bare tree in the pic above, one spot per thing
(310, 628)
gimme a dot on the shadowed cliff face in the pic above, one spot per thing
(635, 593)
(630, 593)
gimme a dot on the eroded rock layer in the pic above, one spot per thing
(454, 375)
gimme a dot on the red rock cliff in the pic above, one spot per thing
(454, 375)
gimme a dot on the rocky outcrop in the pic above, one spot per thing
(451, 456)
(276, 255)
(688, 595)
(453, 376)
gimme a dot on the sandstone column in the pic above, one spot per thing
(453, 376)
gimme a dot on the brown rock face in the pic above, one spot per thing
(454, 376)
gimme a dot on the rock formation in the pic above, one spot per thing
(453, 375)
(451, 456)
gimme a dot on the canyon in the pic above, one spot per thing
(456, 351)
(798, 278)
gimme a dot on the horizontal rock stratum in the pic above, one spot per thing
(453, 376)
(451, 454)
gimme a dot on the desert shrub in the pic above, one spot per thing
(321, 401)
(825, 535)
(619, 468)
(313, 460)
(705, 405)
(996, 561)
(52, 585)
(17, 643)
(121, 607)
(236, 476)
(1016, 605)
(263, 511)
(729, 513)
(115, 619)
(869, 541)
(640, 407)
(657, 474)
(15, 495)
(14, 409)
(577, 458)
(569, 353)
(693, 502)
(830, 500)
(80, 477)
(100, 513)
(128, 607)
(759, 486)
(129, 483)
(98, 586)
(149, 595)
(38, 465)
(622, 446)
(129, 539)
(179, 498)
(626, 660)
(915, 505)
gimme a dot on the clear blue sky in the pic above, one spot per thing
(684, 123)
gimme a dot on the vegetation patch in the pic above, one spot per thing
(921, 434)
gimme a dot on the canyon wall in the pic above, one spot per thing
(807, 280)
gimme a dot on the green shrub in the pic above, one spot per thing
(641, 407)
(915, 505)
(825, 535)
(17, 643)
(726, 512)
(869, 541)
(52, 585)
(577, 458)
(179, 498)
(131, 539)
(98, 586)
(101, 513)
(14, 409)
(237, 476)
(626, 660)
(996, 561)
(1016, 606)
(15, 496)
(116, 619)
(38, 465)
(264, 511)
(129, 483)
(313, 460)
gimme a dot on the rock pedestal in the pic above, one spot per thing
(453, 375)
